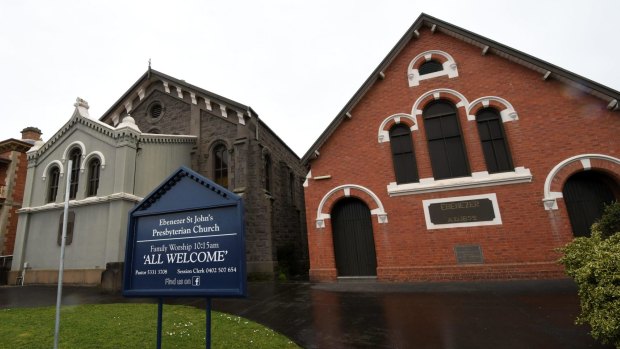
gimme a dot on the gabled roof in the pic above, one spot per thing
(610, 96)
(151, 74)
(156, 74)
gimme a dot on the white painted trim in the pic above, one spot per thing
(98, 154)
(384, 135)
(346, 188)
(476, 180)
(57, 163)
(550, 197)
(79, 144)
(449, 68)
(84, 202)
(436, 93)
(308, 176)
(508, 114)
(430, 225)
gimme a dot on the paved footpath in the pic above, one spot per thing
(509, 314)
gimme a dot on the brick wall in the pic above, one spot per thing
(555, 122)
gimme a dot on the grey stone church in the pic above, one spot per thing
(157, 125)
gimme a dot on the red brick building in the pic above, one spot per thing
(460, 158)
(13, 166)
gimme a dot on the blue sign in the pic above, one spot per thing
(186, 238)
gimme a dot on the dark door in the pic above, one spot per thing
(585, 195)
(354, 245)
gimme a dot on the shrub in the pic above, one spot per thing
(594, 263)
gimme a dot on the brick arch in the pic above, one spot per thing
(506, 110)
(441, 93)
(390, 121)
(448, 63)
(349, 190)
(562, 171)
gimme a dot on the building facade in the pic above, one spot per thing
(13, 167)
(460, 158)
(157, 125)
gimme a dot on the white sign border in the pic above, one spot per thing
(430, 225)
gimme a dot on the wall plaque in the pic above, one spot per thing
(468, 254)
(462, 211)
(475, 210)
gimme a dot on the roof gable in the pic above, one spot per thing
(610, 96)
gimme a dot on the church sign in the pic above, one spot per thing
(463, 211)
(186, 238)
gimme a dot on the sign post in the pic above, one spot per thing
(186, 239)
(61, 267)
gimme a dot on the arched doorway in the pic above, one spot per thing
(585, 194)
(354, 244)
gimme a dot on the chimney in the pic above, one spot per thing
(32, 133)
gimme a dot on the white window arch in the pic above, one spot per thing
(448, 64)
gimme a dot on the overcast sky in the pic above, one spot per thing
(294, 62)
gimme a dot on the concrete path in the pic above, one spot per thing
(510, 314)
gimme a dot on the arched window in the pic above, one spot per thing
(94, 168)
(403, 157)
(220, 165)
(445, 143)
(430, 67)
(493, 140)
(267, 169)
(52, 189)
(76, 156)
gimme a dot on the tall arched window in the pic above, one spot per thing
(403, 156)
(220, 165)
(94, 168)
(52, 188)
(493, 140)
(445, 143)
(267, 169)
(76, 157)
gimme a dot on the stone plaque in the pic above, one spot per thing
(468, 254)
(465, 211)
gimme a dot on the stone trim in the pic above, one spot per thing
(449, 67)
(345, 191)
(384, 128)
(476, 180)
(92, 200)
(550, 197)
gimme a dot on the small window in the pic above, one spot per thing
(76, 157)
(267, 169)
(445, 143)
(493, 140)
(70, 224)
(94, 169)
(430, 67)
(156, 110)
(52, 189)
(220, 165)
(403, 156)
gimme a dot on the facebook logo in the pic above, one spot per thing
(195, 280)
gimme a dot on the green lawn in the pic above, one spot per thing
(131, 326)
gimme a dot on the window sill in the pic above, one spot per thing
(477, 179)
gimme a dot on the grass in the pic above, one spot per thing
(131, 326)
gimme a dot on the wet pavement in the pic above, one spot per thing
(509, 314)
